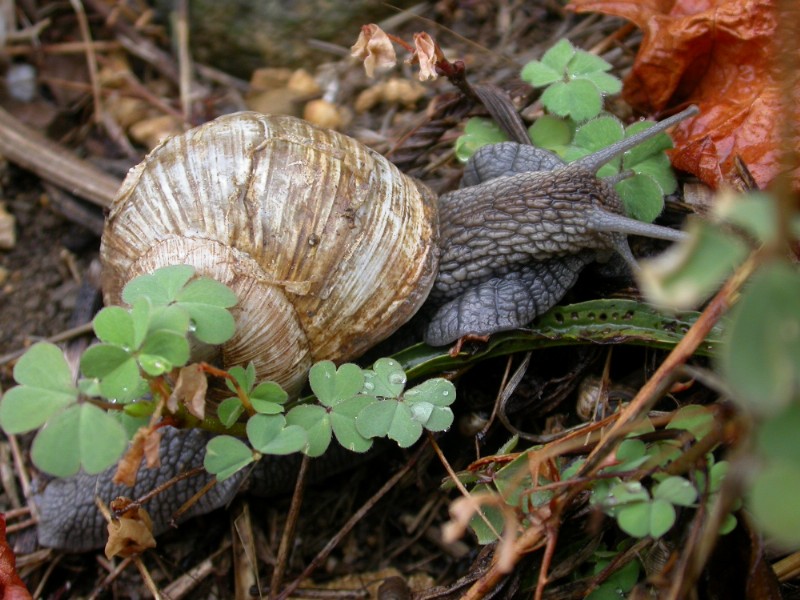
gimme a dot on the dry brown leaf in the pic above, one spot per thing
(131, 534)
(128, 465)
(190, 390)
(145, 444)
(152, 444)
(720, 55)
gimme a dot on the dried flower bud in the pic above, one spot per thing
(132, 533)
(375, 48)
(426, 54)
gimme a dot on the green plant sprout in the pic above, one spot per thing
(138, 348)
(132, 372)
(759, 359)
(620, 583)
(640, 511)
(575, 82)
(135, 369)
(355, 405)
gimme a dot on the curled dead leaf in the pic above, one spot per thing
(152, 443)
(145, 444)
(128, 465)
(130, 534)
(190, 390)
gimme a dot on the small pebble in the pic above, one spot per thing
(21, 82)
(8, 233)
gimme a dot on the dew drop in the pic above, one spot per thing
(397, 378)
(368, 385)
(445, 393)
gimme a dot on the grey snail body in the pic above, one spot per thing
(330, 249)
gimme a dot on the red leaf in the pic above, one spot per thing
(720, 55)
(11, 586)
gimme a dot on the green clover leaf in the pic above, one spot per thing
(83, 435)
(386, 379)
(268, 398)
(45, 389)
(226, 455)
(332, 386)
(389, 418)
(315, 420)
(429, 403)
(117, 370)
(269, 434)
(229, 411)
(478, 132)
(641, 519)
(160, 287)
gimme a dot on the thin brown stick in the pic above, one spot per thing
(91, 58)
(148, 579)
(185, 584)
(135, 43)
(45, 577)
(457, 482)
(63, 48)
(62, 336)
(547, 559)
(184, 59)
(32, 151)
(287, 538)
(322, 555)
(168, 484)
(118, 568)
(649, 393)
(659, 383)
(22, 473)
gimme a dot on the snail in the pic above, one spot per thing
(330, 248)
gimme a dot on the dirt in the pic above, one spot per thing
(42, 274)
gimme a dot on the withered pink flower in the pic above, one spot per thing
(374, 48)
(424, 53)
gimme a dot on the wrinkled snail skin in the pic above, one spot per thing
(312, 228)
(69, 518)
(518, 232)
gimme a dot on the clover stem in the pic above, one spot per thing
(240, 393)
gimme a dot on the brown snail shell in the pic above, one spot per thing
(328, 246)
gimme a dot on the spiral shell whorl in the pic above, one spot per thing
(327, 245)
